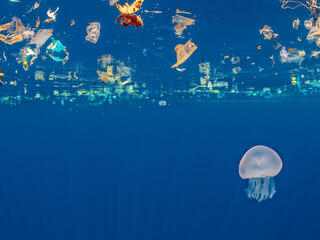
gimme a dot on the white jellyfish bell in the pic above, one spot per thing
(259, 165)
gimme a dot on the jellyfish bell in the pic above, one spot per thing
(260, 164)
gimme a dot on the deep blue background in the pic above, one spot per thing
(121, 172)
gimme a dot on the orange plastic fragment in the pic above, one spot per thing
(126, 20)
(292, 50)
(49, 20)
(104, 76)
(267, 32)
(184, 52)
(38, 22)
(14, 29)
(127, 16)
(178, 11)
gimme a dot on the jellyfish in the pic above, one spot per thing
(260, 164)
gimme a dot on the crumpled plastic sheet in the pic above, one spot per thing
(41, 37)
(93, 31)
(14, 30)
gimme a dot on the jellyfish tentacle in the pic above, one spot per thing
(257, 190)
(261, 189)
(272, 188)
(251, 186)
(253, 190)
(264, 193)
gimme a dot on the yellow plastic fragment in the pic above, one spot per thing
(13, 83)
(293, 80)
(110, 70)
(302, 53)
(130, 9)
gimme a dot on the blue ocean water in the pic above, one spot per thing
(135, 170)
(129, 173)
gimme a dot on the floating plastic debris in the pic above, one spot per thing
(113, 2)
(162, 103)
(1, 76)
(54, 49)
(105, 60)
(267, 32)
(39, 75)
(235, 60)
(14, 30)
(28, 56)
(127, 20)
(41, 37)
(296, 24)
(52, 15)
(153, 11)
(236, 70)
(93, 32)
(181, 23)
(130, 9)
(184, 52)
(183, 12)
(127, 17)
